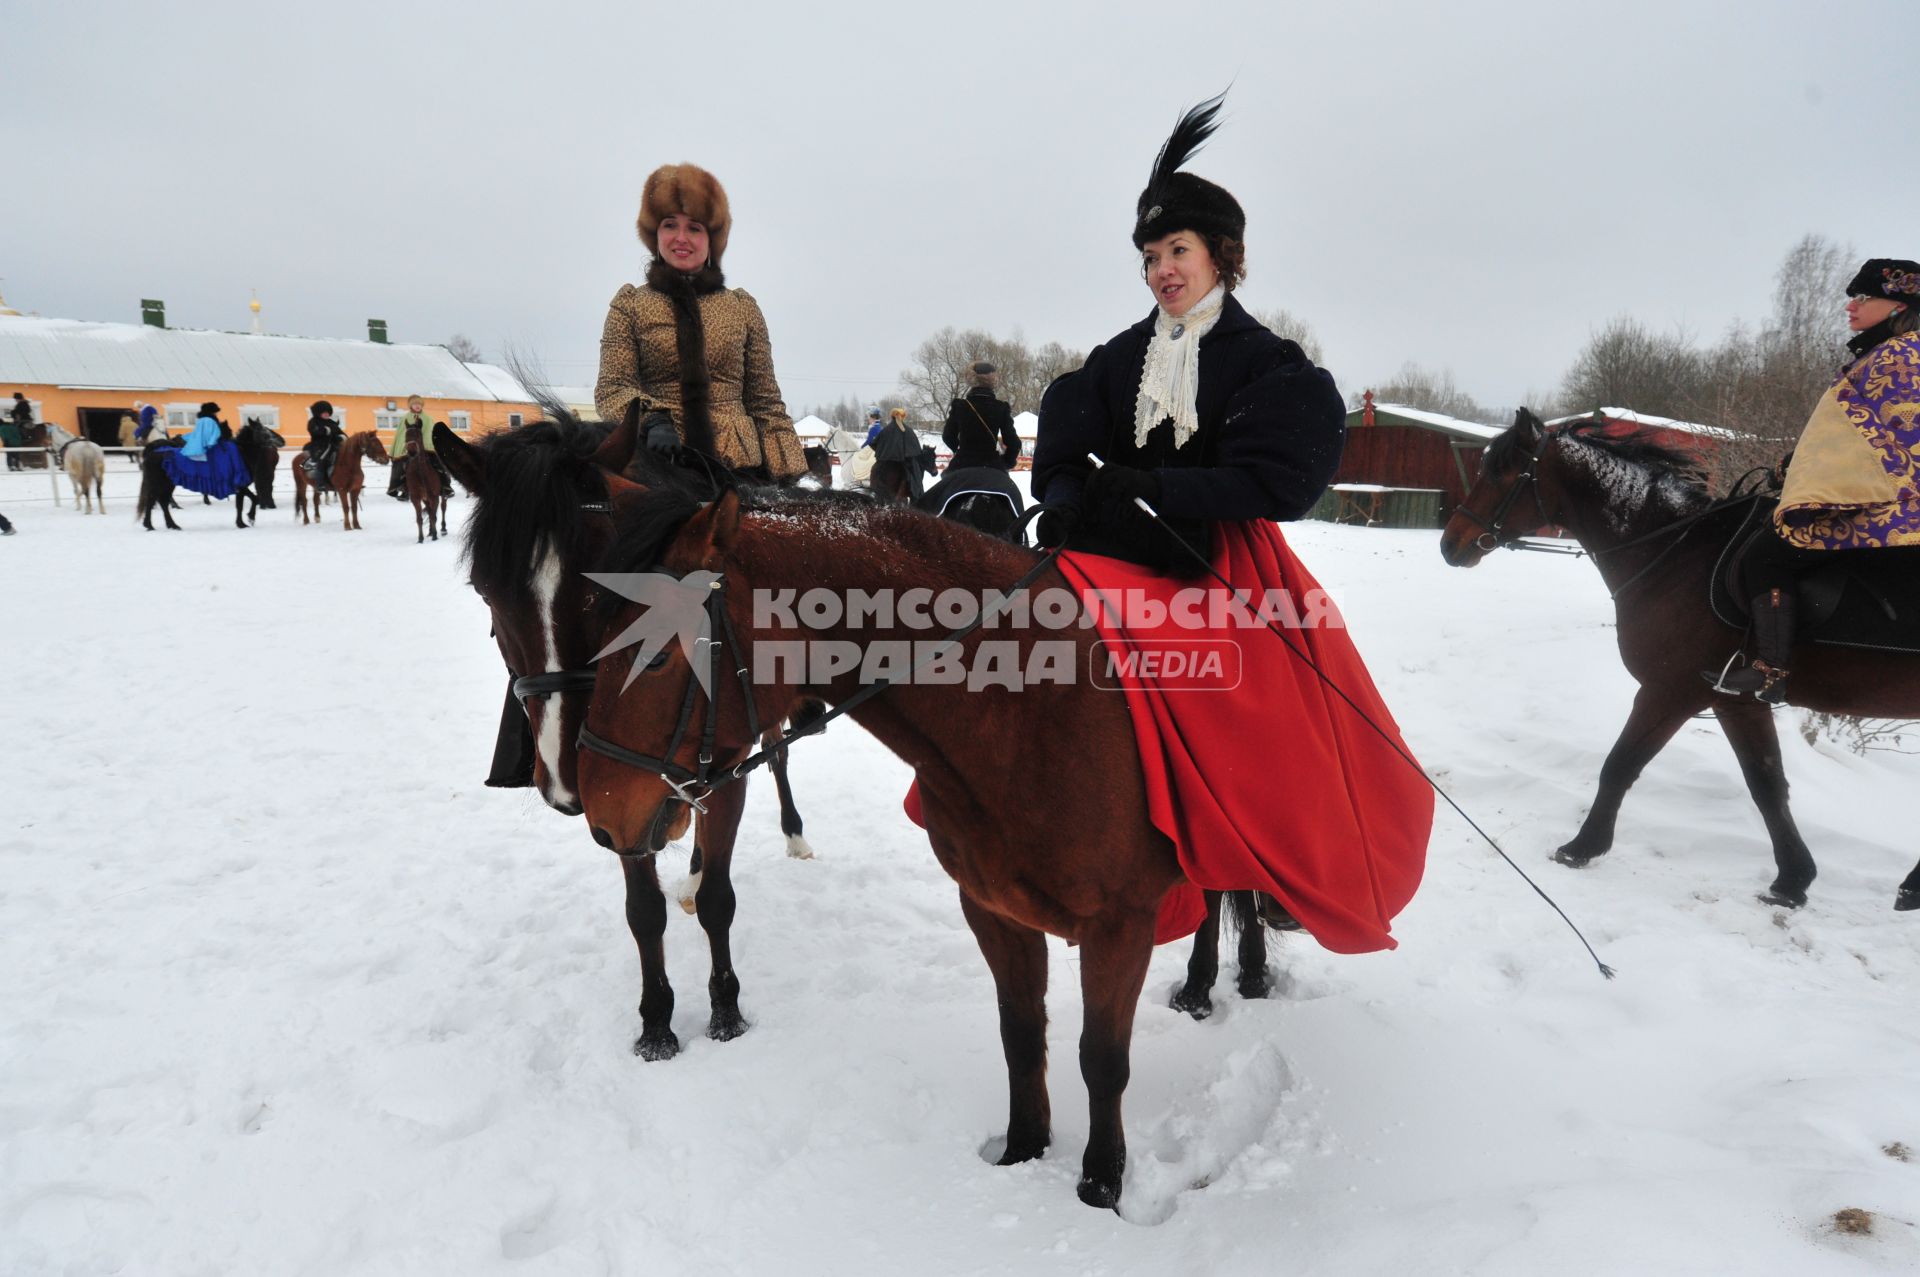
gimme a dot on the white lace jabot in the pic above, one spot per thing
(1170, 379)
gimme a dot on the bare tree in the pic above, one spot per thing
(465, 349)
(1430, 390)
(941, 363)
(1284, 323)
(1628, 365)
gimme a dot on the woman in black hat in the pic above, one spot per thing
(1197, 408)
(1851, 481)
(1223, 428)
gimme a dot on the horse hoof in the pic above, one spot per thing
(1908, 899)
(798, 848)
(1197, 1005)
(1100, 1194)
(1254, 990)
(726, 1025)
(1005, 1151)
(658, 1044)
(1783, 899)
(1574, 859)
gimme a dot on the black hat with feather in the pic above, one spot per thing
(1176, 201)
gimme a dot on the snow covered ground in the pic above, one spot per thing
(288, 991)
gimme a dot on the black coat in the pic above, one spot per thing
(323, 435)
(1272, 427)
(980, 432)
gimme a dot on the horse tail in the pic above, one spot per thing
(144, 505)
(1241, 914)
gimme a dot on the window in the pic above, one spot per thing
(266, 414)
(461, 421)
(384, 420)
(513, 420)
(181, 416)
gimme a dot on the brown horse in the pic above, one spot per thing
(1082, 861)
(544, 496)
(425, 492)
(347, 480)
(1633, 506)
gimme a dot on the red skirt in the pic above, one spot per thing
(1260, 774)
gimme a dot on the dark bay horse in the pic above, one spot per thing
(544, 498)
(1616, 495)
(425, 493)
(1082, 861)
(263, 462)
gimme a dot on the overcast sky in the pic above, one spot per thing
(1473, 186)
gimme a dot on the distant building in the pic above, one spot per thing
(86, 376)
(1403, 467)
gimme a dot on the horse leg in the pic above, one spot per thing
(1908, 896)
(790, 822)
(1749, 729)
(419, 536)
(1017, 956)
(1113, 966)
(1656, 716)
(1253, 983)
(1195, 997)
(714, 902)
(647, 920)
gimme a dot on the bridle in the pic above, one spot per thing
(1529, 480)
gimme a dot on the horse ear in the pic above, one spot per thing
(710, 533)
(1528, 424)
(616, 452)
(625, 495)
(462, 459)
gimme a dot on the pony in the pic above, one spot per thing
(347, 480)
(1642, 513)
(425, 492)
(819, 464)
(85, 464)
(544, 500)
(1081, 861)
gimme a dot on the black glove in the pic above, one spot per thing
(657, 429)
(1110, 492)
(1055, 526)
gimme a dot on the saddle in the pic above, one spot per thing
(1863, 598)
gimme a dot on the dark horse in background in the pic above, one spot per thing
(264, 464)
(258, 448)
(1632, 505)
(544, 501)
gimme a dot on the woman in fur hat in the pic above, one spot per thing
(1222, 427)
(979, 426)
(1851, 482)
(684, 355)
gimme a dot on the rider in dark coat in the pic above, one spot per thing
(980, 426)
(901, 442)
(323, 441)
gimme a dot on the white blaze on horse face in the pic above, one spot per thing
(547, 576)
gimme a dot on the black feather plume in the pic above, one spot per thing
(1188, 136)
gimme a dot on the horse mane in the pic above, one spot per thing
(1639, 447)
(538, 476)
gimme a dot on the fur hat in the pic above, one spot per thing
(209, 409)
(321, 408)
(1176, 201)
(984, 374)
(1893, 278)
(689, 190)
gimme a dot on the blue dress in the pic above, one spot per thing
(206, 463)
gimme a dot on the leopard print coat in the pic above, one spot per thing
(640, 363)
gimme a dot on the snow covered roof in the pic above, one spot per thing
(85, 354)
(1440, 421)
(1632, 418)
(1026, 425)
(811, 427)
